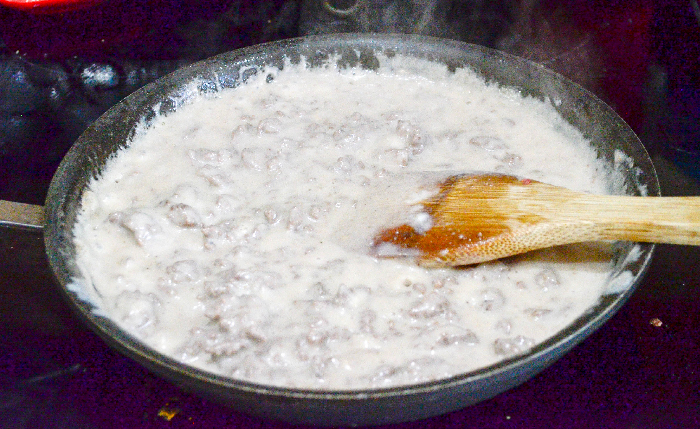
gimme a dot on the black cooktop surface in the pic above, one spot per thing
(59, 72)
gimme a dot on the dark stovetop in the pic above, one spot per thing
(640, 370)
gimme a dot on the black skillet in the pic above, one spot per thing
(608, 134)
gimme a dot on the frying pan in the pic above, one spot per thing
(614, 142)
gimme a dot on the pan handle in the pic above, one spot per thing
(22, 215)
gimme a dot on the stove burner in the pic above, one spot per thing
(477, 21)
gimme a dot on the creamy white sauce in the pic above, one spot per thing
(233, 234)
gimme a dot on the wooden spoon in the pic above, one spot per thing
(478, 218)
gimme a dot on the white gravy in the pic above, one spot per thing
(232, 234)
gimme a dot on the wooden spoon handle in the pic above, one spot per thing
(672, 220)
